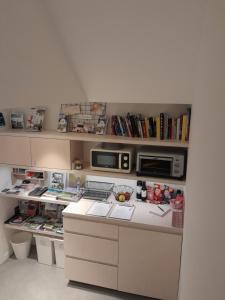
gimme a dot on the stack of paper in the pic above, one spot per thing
(100, 209)
(122, 212)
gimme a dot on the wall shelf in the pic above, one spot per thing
(85, 137)
(40, 232)
(38, 199)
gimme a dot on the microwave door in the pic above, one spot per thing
(156, 166)
(105, 160)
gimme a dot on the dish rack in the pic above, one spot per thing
(98, 191)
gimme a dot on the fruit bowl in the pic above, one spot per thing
(122, 192)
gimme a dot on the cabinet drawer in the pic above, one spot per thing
(91, 228)
(91, 273)
(91, 248)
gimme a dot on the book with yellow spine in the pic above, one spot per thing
(184, 129)
(158, 127)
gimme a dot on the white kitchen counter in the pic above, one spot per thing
(141, 218)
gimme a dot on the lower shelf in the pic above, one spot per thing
(41, 232)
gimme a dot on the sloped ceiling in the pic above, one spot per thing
(131, 50)
(34, 67)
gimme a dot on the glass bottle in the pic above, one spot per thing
(138, 189)
(143, 191)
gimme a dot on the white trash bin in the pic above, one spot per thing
(59, 252)
(21, 242)
(45, 251)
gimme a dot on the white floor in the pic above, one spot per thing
(29, 280)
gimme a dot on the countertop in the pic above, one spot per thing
(141, 218)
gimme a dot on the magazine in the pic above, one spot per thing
(17, 120)
(57, 181)
(35, 119)
(2, 120)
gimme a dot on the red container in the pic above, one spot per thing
(177, 205)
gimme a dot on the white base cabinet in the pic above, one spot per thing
(149, 263)
(91, 252)
(91, 272)
(137, 261)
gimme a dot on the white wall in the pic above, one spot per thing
(203, 257)
(35, 69)
(6, 211)
(132, 50)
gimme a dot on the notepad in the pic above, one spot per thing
(100, 209)
(123, 212)
(159, 210)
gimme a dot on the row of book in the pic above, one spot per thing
(162, 127)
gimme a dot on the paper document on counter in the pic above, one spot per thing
(100, 209)
(123, 212)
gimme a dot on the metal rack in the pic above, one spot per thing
(88, 119)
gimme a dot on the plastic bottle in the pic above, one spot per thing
(78, 184)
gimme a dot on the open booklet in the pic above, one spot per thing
(99, 209)
(122, 211)
(110, 210)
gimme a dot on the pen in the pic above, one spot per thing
(161, 208)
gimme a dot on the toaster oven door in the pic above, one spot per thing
(155, 166)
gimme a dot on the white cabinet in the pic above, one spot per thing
(149, 263)
(91, 248)
(54, 153)
(137, 261)
(91, 252)
(91, 272)
(15, 150)
(90, 228)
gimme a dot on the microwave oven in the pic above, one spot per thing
(164, 163)
(111, 160)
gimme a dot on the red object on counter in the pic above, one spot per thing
(177, 205)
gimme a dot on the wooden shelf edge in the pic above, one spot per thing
(29, 198)
(39, 232)
(87, 137)
(130, 176)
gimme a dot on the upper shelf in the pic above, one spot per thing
(38, 199)
(97, 138)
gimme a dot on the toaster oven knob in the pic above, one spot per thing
(125, 165)
(125, 158)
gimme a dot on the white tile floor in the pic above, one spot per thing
(29, 280)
